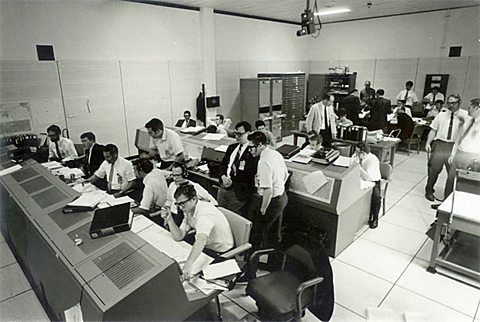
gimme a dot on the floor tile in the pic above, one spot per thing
(6, 256)
(401, 239)
(417, 203)
(24, 307)
(394, 196)
(238, 296)
(412, 167)
(341, 314)
(419, 189)
(408, 218)
(357, 290)
(401, 185)
(441, 289)
(2, 240)
(406, 302)
(426, 250)
(376, 259)
(12, 281)
(407, 175)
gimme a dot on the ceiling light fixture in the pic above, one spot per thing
(332, 12)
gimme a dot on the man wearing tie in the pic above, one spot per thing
(237, 174)
(93, 154)
(59, 147)
(467, 147)
(321, 119)
(444, 130)
(408, 95)
(187, 121)
(118, 171)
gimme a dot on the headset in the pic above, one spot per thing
(183, 167)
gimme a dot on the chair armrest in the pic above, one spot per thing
(236, 251)
(302, 287)
(254, 257)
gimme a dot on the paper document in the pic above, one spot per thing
(307, 152)
(203, 168)
(192, 129)
(222, 148)
(52, 165)
(222, 269)
(83, 188)
(314, 181)
(342, 162)
(68, 172)
(386, 138)
(366, 184)
(4, 172)
(140, 222)
(89, 199)
(74, 314)
(301, 159)
(214, 136)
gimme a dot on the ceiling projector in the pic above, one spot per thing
(308, 23)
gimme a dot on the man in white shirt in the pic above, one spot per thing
(408, 95)
(272, 174)
(220, 123)
(59, 148)
(212, 230)
(321, 118)
(271, 141)
(155, 190)
(433, 97)
(118, 172)
(370, 171)
(444, 131)
(165, 143)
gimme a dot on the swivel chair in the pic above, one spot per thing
(385, 172)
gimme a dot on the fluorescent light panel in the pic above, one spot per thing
(332, 12)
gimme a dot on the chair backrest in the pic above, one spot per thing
(395, 133)
(227, 123)
(385, 170)
(79, 148)
(417, 131)
(240, 226)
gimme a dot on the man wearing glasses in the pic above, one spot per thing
(212, 231)
(444, 130)
(237, 175)
(59, 148)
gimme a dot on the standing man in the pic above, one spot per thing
(212, 230)
(260, 125)
(378, 113)
(165, 143)
(434, 96)
(369, 171)
(467, 148)
(368, 93)
(93, 154)
(321, 118)
(272, 174)
(351, 104)
(155, 190)
(237, 175)
(117, 170)
(187, 121)
(444, 131)
(59, 148)
(408, 95)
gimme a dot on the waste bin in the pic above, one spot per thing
(343, 148)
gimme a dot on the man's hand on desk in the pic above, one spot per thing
(117, 194)
(226, 181)
(187, 271)
(166, 214)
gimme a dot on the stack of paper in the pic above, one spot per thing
(88, 199)
(214, 271)
(214, 136)
(110, 200)
(342, 162)
(221, 148)
(4, 172)
(52, 165)
(192, 130)
(301, 158)
(68, 172)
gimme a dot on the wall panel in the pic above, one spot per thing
(456, 67)
(228, 88)
(472, 85)
(391, 75)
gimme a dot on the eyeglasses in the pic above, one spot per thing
(239, 133)
(181, 204)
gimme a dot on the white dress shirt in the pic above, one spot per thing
(66, 147)
(471, 141)
(243, 147)
(441, 124)
(411, 98)
(271, 172)
(369, 167)
(155, 191)
(123, 173)
(433, 98)
(168, 146)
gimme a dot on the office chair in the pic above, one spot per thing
(415, 138)
(395, 133)
(241, 229)
(79, 148)
(385, 172)
(304, 280)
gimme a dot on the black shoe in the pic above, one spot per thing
(435, 206)
(430, 197)
(373, 224)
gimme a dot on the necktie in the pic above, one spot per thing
(464, 134)
(406, 96)
(434, 98)
(236, 161)
(326, 119)
(110, 178)
(450, 126)
(57, 147)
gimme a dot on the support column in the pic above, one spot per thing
(207, 42)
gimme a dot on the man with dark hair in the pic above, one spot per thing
(342, 118)
(434, 96)
(212, 230)
(155, 190)
(220, 124)
(237, 172)
(187, 121)
(93, 153)
(404, 123)
(59, 148)
(260, 126)
(165, 143)
(408, 95)
(118, 172)
(381, 107)
(369, 171)
(321, 118)
(368, 93)
(351, 104)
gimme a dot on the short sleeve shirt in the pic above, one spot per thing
(66, 147)
(441, 123)
(168, 146)
(155, 191)
(271, 173)
(123, 173)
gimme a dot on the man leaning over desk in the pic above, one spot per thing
(212, 231)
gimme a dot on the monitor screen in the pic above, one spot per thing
(142, 140)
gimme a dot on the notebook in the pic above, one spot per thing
(111, 220)
(287, 150)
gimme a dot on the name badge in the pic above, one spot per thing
(241, 167)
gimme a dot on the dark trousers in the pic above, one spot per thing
(438, 159)
(376, 202)
(327, 137)
(165, 164)
(462, 160)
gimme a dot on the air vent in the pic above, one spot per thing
(113, 256)
(128, 270)
(24, 174)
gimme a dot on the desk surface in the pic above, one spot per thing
(465, 206)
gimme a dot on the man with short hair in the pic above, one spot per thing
(59, 148)
(260, 125)
(118, 172)
(321, 118)
(368, 93)
(408, 95)
(187, 121)
(381, 107)
(434, 96)
(404, 123)
(212, 230)
(444, 131)
(165, 143)
(351, 104)
(155, 188)
(237, 172)
(93, 153)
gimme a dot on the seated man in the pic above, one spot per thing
(404, 123)
(434, 110)
(212, 230)
(220, 123)
(314, 141)
(155, 190)
(93, 154)
(117, 170)
(260, 125)
(342, 118)
(59, 148)
(187, 121)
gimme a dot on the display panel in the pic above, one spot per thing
(24, 174)
(49, 197)
(35, 185)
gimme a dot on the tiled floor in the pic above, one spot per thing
(381, 274)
